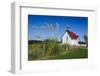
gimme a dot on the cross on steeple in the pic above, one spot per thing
(68, 27)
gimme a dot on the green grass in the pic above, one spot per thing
(50, 49)
(35, 51)
(74, 53)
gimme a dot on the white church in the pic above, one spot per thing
(70, 37)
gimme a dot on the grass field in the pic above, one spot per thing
(75, 54)
(52, 50)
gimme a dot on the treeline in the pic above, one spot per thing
(39, 41)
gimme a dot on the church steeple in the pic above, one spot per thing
(67, 28)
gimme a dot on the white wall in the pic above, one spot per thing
(74, 42)
(69, 41)
(64, 38)
(5, 42)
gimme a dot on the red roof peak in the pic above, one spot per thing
(72, 35)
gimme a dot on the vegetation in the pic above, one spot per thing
(86, 40)
(52, 49)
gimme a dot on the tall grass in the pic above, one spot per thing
(35, 51)
(50, 48)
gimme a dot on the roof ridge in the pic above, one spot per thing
(72, 34)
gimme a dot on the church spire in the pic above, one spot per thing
(68, 27)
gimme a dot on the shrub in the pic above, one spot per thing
(35, 51)
(52, 47)
(66, 48)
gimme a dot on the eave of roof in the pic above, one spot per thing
(72, 34)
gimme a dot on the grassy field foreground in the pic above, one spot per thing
(75, 54)
(50, 49)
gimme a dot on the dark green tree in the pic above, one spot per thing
(86, 40)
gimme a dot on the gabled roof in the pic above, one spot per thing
(72, 34)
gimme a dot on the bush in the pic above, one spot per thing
(65, 48)
(53, 48)
(35, 51)
(50, 47)
(47, 48)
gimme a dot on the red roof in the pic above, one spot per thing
(72, 35)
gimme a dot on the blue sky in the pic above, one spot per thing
(43, 26)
